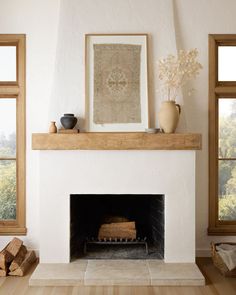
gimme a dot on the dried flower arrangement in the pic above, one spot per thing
(175, 71)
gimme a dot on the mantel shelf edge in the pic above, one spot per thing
(117, 141)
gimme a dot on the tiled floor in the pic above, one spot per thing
(117, 272)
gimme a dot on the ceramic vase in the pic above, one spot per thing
(53, 127)
(68, 121)
(168, 116)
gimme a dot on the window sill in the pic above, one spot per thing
(222, 230)
(12, 231)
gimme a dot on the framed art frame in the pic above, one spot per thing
(116, 76)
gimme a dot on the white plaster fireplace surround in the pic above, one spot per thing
(62, 173)
(171, 173)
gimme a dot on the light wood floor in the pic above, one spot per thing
(216, 284)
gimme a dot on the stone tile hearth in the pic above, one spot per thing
(59, 274)
(117, 272)
(175, 274)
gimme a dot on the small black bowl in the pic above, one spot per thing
(68, 121)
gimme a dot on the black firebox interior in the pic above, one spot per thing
(87, 213)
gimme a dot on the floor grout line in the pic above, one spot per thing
(149, 271)
(86, 268)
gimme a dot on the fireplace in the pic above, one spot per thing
(99, 177)
(89, 212)
(135, 173)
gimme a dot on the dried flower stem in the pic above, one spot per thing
(175, 71)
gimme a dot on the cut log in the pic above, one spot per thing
(14, 246)
(5, 259)
(117, 225)
(3, 273)
(121, 234)
(18, 259)
(114, 219)
(30, 258)
(118, 230)
(9, 252)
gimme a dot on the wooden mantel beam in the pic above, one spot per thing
(116, 141)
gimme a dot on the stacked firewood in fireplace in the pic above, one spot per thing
(116, 230)
(117, 227)
(15, 259)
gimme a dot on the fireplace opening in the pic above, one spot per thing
(117, 226)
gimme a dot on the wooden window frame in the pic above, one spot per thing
(16, 89)
(217, 90)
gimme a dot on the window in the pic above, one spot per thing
(222, 135)
(12, 135)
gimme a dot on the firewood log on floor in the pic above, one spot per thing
(14, 246)
(5, 259)
(30, 258)
(18, 259)
(15, 259)
(3, 273)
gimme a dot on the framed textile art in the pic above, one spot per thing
(116, 82)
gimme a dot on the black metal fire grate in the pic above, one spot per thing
(115, 241)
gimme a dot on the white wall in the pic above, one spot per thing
(194, 20)
(40, 21)
(79, 17)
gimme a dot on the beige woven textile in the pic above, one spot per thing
(117, 83)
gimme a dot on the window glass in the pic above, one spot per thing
(227, 190)
(227, 159)
(7, 128)
(227, 127)
(7, 63)
(7, 189)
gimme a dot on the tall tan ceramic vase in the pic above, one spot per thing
(168, 116)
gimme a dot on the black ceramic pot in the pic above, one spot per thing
(68, 121)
